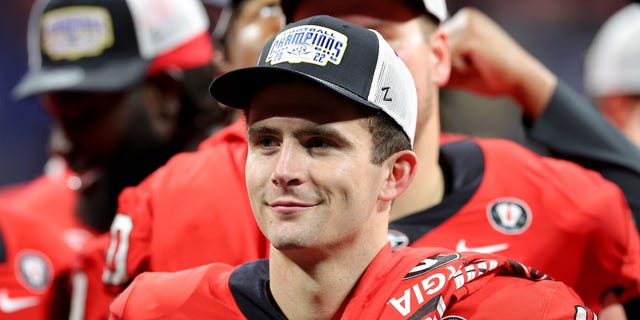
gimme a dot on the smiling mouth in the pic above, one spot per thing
(289, 207)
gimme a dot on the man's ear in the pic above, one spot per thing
(403, 167)
(164, 101)
(441, 57)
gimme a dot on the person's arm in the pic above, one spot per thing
(488, 62)
(570, 128)
(128, 252)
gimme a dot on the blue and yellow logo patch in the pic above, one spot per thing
(76, 32)
(308, 44)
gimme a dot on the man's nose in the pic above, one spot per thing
(289, 170)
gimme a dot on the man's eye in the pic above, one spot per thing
(266, 142)
(319, 143)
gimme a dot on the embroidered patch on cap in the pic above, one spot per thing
(309, 44)
(76, 32)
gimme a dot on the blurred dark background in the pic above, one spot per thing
(556, 32)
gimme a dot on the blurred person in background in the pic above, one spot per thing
(612, 70)
(126, 86)
(124, 91)
(558, 121)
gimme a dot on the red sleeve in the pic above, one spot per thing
(193, 211)
(601, 247)
(201, 292)
(34, 273)
(506, 297)
(130, 236)
(616, 248)
(91, 298)
(613, 257)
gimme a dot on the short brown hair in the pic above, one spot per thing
(386, 136)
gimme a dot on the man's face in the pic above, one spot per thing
(308, 170)
(110, 144)
(93, 124)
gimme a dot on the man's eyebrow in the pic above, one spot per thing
(261, 130)
(318, 131)
(321, 131)
(326, 132)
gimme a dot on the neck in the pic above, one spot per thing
(427, 188)
(319, 288)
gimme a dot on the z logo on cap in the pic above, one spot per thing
(309, 44)
(509, 215)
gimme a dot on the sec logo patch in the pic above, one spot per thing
(509, 215)
(34, 270)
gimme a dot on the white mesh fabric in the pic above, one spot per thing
(612, 62)
(162, 25)
(393, 89)
(437, 7)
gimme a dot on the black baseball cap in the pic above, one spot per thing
(350, 60)
(108, 45)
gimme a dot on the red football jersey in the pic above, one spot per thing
(35, 265)
(551, 214)
(422, 283)
(50, 198)
(193, 211)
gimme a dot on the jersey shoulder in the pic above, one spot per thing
(507, 162)
(24, 234)
(221, 156)
(508, 297)
(431, 282)
(199, 292)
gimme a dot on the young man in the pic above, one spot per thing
(495, 196)
(322, 174)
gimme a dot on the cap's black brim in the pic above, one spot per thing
(112, 76)
(237, 88)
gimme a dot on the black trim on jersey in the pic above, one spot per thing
(3, 249)
(462, 164)
(249, 284)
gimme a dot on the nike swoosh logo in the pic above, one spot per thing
(462, 246)
(10, 305)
